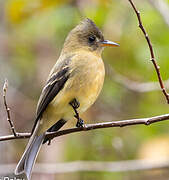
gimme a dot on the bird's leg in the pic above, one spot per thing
(75, 105)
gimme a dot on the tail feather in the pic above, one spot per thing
(28, 158)
(27, 161)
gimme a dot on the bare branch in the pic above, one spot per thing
(119, 166)
(88, 127)
(132, 85)
(5, 87)
(96, 166)
(157, 68)
(145, 121)
(19, 136)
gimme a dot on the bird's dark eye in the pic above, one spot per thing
(92, 39)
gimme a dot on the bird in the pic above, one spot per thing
(72, 86)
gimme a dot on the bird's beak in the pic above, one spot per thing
(109, 43)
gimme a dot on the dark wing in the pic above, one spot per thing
(52, 88)
(55, 127)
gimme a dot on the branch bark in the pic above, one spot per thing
(145, 121)
(157, 68)
(5, 87)
(140, 87)
(93, 166)
(88, 127)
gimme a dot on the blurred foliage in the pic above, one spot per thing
(32, 33)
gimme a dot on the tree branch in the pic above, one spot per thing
(141, 87)
(92, 166)
(145, 121)
(5, 87)
(101, 166)
(157, 68)
(88, 127)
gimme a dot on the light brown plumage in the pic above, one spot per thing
(84, 84)
(77, 75)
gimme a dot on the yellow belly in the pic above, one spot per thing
(84, 84)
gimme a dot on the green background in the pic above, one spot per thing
(32, 33)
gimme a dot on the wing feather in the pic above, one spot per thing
(53, 86)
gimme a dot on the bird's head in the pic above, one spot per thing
(86, 36)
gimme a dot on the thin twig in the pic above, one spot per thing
(157, 68)
(5, 87)
(102, 166)
(141, 87)
(145, 121)
(92, 166)
(88, 127)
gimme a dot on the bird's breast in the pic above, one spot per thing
(87, 81)
(84, 84)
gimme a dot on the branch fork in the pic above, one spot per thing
(87, 127)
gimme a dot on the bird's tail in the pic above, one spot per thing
(28, 158)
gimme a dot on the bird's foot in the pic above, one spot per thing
(80, 122)
(75, 104)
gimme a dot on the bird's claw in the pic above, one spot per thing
(80, 123)
(75, 104)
